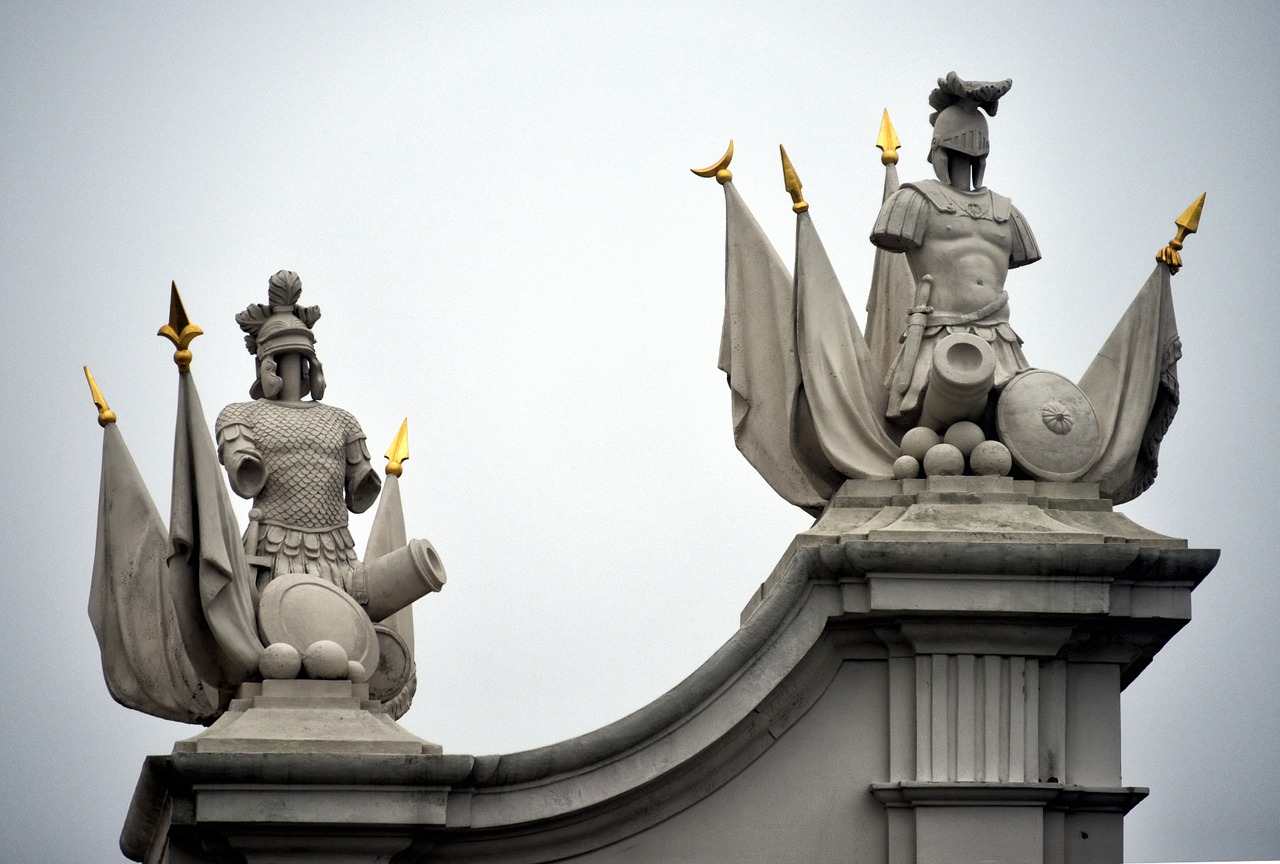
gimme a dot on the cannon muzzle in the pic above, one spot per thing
(960, 377)
(398, 578)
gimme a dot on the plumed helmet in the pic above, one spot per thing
(285, 333)
(281, 326)
(961, 127)
(957, 122)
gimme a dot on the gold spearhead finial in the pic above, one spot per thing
(792, 181)
(180, 331)
(888, 141)
(105, 415)
(1187, 223)
(398, 452)
(718, 169)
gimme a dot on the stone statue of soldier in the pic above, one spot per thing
(960, 239)
(304, 463)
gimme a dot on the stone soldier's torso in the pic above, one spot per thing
(303, 447)
(966, 241)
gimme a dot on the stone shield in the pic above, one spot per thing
(300, 610)
(1049, 426)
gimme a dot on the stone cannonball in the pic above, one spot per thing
(991, 458)
(280, 660)
(356, 672)
(906, 468)
(917, 442)
(964, 436)
(943, 460)
(325, 659)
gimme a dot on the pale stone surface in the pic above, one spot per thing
(301, 610)
(305, 717)
(960, 239)
(943, 460)
(991, 458)
(964, 436)
(280, 660)
(961, 373)
(395, 663)
(399, 578)
(325, 660)
(906, 467)
(1049, 426)
(183, 614)
(909, 680)
(806, 429)
(917, 441)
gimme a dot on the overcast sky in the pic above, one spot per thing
(492, 206)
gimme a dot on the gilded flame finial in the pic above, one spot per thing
(1187, 223)
(718, 169)
(398, 452)
(180, 331)
(888, 141)
(105, 415)
(792, 181)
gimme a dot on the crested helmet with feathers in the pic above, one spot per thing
(958, 123)
(281, 326)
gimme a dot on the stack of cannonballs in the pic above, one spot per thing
(323, 659)
(948, 454)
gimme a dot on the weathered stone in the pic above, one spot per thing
(943, 460)
(991, 458)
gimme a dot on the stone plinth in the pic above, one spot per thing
(932, 673)
(1013, 614)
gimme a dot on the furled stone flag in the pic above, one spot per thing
(387, 535)
(144, 662)
(211, 579)
(1133, 386)
(757, 353)
(842, 383)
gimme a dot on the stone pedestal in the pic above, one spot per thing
(931, 674)
(1013, 613)
(293, 771)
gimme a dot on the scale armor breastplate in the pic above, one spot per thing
(304, 455)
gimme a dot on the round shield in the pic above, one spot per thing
(301, 610)
(1049, 425)
(395, 665)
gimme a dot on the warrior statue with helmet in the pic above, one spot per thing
(960, 239)
(304, 463)
(939, 384)
(195, 621)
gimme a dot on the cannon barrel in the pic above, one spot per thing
(398, 578)
(960, 377)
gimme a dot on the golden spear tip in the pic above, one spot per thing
(888, 141)
(179, 330)
(398, 452)
(1190, 218)
(718, 169)
(105, 415)
(792, 182)
(1187, 224)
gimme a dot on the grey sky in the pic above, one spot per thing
(493, 207)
